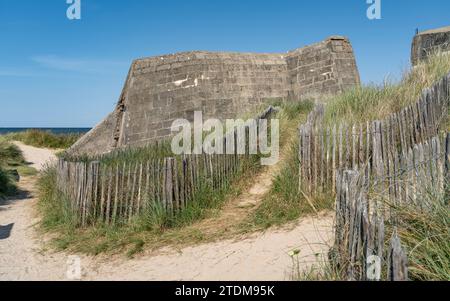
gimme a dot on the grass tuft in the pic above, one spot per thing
(374, 102)
(7, 185)
(10, 154)
(44, 139)
(426, 237)
(11, 159)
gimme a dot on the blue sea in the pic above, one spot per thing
(52, 130)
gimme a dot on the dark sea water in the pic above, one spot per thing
(52, 130)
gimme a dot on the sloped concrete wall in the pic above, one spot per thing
(221, 85)
(328, 67)
(97, 141)
(161, 89)
(429, 42)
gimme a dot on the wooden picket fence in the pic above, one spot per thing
(111, 194)
(324, 150)
(371, 169)
(421, 170)
(359, 251)
(362, 209)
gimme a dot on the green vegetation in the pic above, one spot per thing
(371, 102)
(26, 170)
(55, 208)
(322, 271)
(10, 154)
(7, 185)
(154, 228)
(45, 139)
(159, 150)
(426, 237)
(10, 158)
(284, 203)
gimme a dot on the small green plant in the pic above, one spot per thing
(10, 154)
(322, 271)
(7, 186)
(11, 158)
(138, 246)
(27, 171)
(54, 207)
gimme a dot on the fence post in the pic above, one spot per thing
(447, 168)
(346, 188)
(398, 261)
(176, 189)
(300, 159)
(95, 167)
(168, 172)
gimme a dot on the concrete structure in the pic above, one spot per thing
(159, 90)
(428, 42)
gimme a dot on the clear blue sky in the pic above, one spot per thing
(60, 73)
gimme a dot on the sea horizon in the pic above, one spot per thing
(53, 130)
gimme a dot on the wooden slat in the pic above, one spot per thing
(398, 262)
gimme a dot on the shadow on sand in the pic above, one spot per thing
(5, 231)
(21, 195)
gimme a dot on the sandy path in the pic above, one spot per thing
(37, 157)
(21, 254)
(263, 256)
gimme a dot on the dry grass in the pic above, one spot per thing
(45, 139)
(373, 102)
(11, 159)
(426, 236)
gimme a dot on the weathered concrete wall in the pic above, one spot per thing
(166, 88)
(429, 42)
(159, 90)
(328, 67)
(97, 141)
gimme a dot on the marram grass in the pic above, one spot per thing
(374, 102)
(44, 139)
